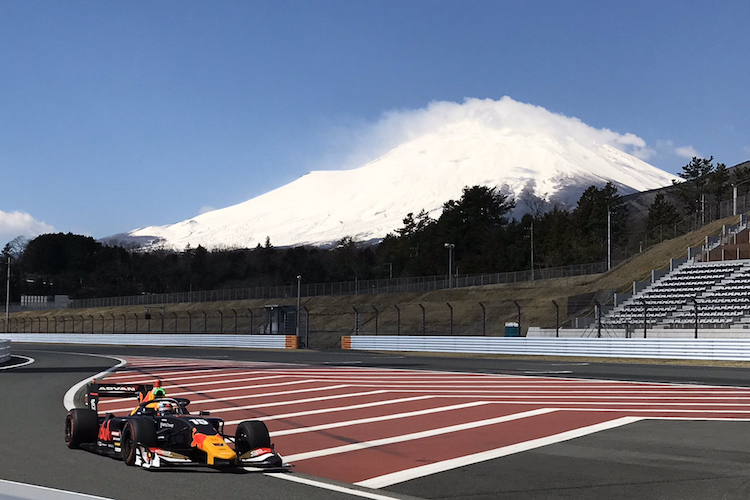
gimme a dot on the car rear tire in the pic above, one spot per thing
(81, 426)
(134, 432)
(251, 434)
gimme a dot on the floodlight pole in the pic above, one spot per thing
(609, 239)
(299, 301)
(7, 298)
(531, 233)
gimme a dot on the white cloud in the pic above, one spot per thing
(13, 224)
(688, 152)
(369, 141)
(206, 209)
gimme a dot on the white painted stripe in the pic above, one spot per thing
(426, 470)
(27, 362)
(24, 491)
(190, 374)
(546, 389)
(247, 396)
(648, 410)
(381, 418)
(415, 435)
(69, 398)
(333, 487)
(168, 388)
(250, 387)
(336, 409)
(700, 419)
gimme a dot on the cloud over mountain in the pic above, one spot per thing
(419, 159)
(13, 224)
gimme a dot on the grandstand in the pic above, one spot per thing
(709, 289)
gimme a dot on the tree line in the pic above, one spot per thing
(485, 240)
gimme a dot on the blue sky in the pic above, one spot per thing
(116, 115)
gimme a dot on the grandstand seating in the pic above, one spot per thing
(720, 290)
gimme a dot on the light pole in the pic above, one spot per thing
(450, 247)
(531, 234)
(299, 300)
(7, 298)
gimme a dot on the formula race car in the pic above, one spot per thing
(161, 432)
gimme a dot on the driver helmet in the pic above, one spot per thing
(166, 408)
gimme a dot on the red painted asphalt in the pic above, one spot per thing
(352, 424)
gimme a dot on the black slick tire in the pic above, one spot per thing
(135, 432)
(251, 434)
(81, 426)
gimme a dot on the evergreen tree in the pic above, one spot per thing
(696, 175)
(661, 213)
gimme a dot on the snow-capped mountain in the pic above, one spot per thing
(513, 146)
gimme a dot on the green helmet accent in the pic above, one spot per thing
(159, 392)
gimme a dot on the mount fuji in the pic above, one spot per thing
(519, 148)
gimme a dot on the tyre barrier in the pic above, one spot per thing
(162, 340)
(699, 349)
(4, 351)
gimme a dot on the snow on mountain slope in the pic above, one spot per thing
(368, 202)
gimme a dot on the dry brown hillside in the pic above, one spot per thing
(330, 317)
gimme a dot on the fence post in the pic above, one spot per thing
(557, 319)
(643, 301)
(598, 319)
(175, 321)
(484, 319)
(205, 322)
(424, 319)
(398, 320)
(221, 321)
(519, 317)
(190, 322)
(356, 320)
(451, 308)
(377, 313)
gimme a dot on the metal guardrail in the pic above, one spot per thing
(706, 349)
(4, 351)
(154, 339)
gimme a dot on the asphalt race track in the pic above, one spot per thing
(452, 428)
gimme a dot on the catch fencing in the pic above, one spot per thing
(419, 284)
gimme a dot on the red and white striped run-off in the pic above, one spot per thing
(376, 427)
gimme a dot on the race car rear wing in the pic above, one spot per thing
(95, 391)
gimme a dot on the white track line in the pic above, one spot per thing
(200, 375)
(414, 435)
(426, 470)
(381, 418)
(226, 389)
(248, 396)
(302, 401)
(333, 487)
(25, 491)
(27, 362)
(69, 398)
(318, 411)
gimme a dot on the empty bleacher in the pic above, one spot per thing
(720, 290)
